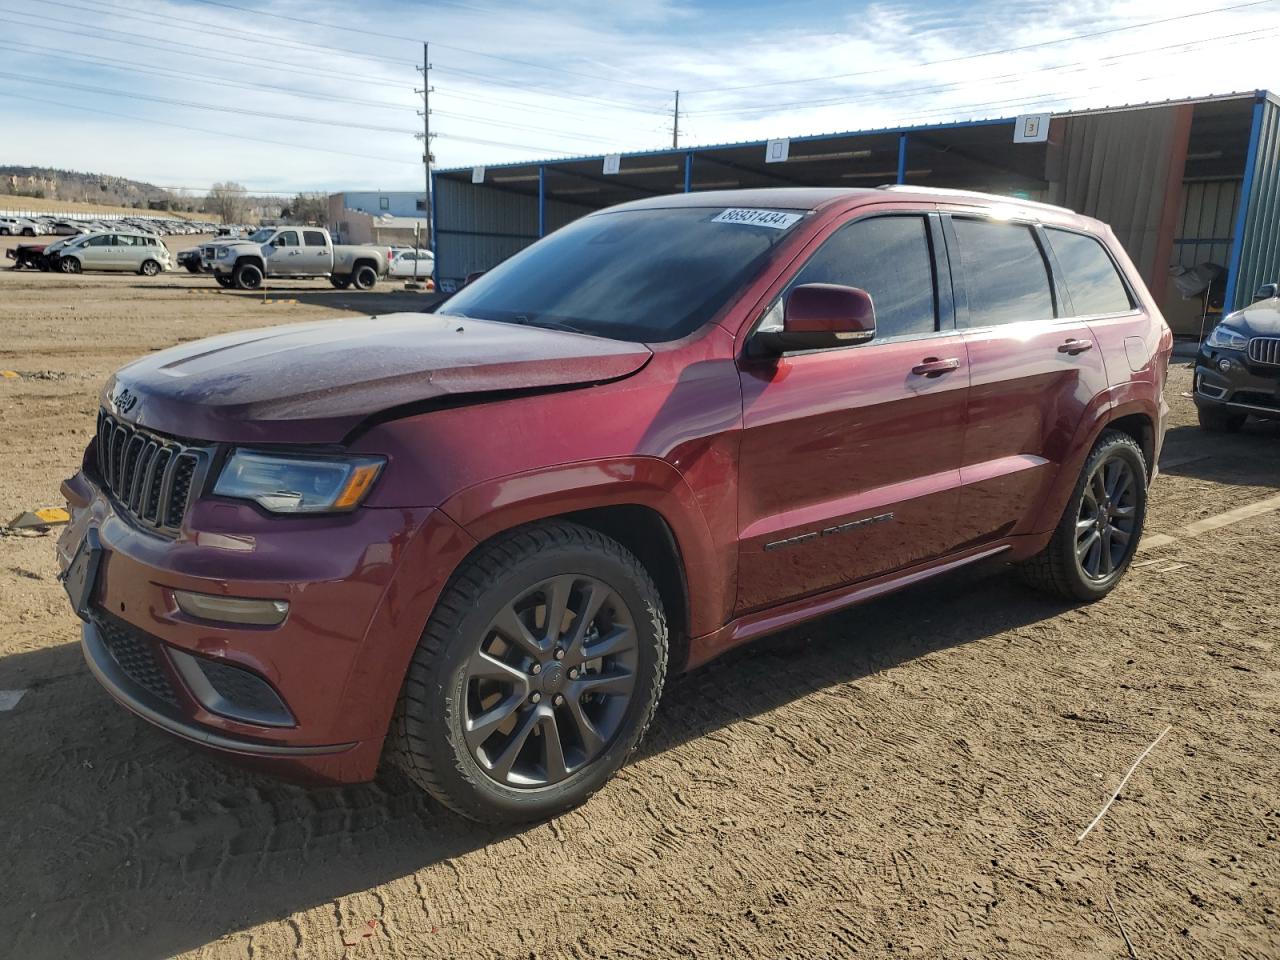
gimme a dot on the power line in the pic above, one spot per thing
(877, 96)
(990, 53)
(444, 46)
(111, 63)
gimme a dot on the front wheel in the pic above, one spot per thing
(1098, 534)
(340, 282)
(224, 280)
(536, 676)
(248, 276)
(1217, 420)
(69, 265)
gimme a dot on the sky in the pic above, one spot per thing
(289, 95)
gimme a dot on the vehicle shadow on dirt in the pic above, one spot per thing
(127, 843)
(1248, 458)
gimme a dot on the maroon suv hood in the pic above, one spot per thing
(314, 382)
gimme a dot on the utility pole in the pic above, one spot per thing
(675, 125)
(425, 113)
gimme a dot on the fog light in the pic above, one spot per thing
(1224, 365)
(258, 613)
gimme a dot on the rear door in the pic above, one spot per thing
(850, 457)
(1035, 371)
(317, 254)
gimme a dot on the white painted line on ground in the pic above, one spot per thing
(9, 698)
(1248, 511)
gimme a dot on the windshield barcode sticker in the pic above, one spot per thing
(757, 218)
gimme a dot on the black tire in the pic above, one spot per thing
(428, 736)
(1217, 420)
(69, 265)
(192, 267)
(248, 276)
(4, 231)
(340, 282)
(28, 232)
(1057, 569)
(149, 268)
(224, 281)
(364, 277)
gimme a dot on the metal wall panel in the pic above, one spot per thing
(1204, 229)
(477, 227)
(1257, 258)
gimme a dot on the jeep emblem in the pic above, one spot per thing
(124, 401)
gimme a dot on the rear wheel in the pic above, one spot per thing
(248, 276)
(1217, 420)
(149, 268)
(535, 677)
(364, 277)
(1098, 534)
(340, 282)
(224, 280)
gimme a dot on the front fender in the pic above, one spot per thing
(491, 507)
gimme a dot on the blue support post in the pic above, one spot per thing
(542, 201)
(1246, 191)
(902, 158)
(431, 230)
(688, 172)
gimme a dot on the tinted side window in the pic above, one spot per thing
(889, 257)
(314, 238)
(1090, 273)
(1004, 273)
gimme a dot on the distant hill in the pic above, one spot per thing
(96, 188)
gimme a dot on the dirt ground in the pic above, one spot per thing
(906, 779)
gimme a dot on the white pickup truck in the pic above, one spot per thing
(292, 251)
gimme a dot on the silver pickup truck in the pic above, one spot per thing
(292, 251)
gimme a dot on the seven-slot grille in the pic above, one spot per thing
(150, 476)
(1265, 350)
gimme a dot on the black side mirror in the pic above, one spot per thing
(1267, 291)
(817, 316)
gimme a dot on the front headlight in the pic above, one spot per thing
(223, 253)
(1224, 337)
(301, 484)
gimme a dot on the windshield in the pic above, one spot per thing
(644, 275)
(263, 234)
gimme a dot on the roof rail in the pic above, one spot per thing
(976, 195)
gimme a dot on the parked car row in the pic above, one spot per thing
(65, 227)
(117, 249)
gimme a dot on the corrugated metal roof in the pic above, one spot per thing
(871, 131)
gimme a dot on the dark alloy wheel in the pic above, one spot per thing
(1096, 538)
(537, 674)
(1107, 518)
(550, 681)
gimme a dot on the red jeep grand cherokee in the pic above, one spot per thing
(476, 539)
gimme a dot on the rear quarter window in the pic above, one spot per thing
(1092, 279)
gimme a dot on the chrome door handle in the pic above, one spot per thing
(933, 367)
(1074, 347)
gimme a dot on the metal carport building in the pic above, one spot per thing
(1182, 183)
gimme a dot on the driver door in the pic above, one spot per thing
(850, 457)
(283, 254)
